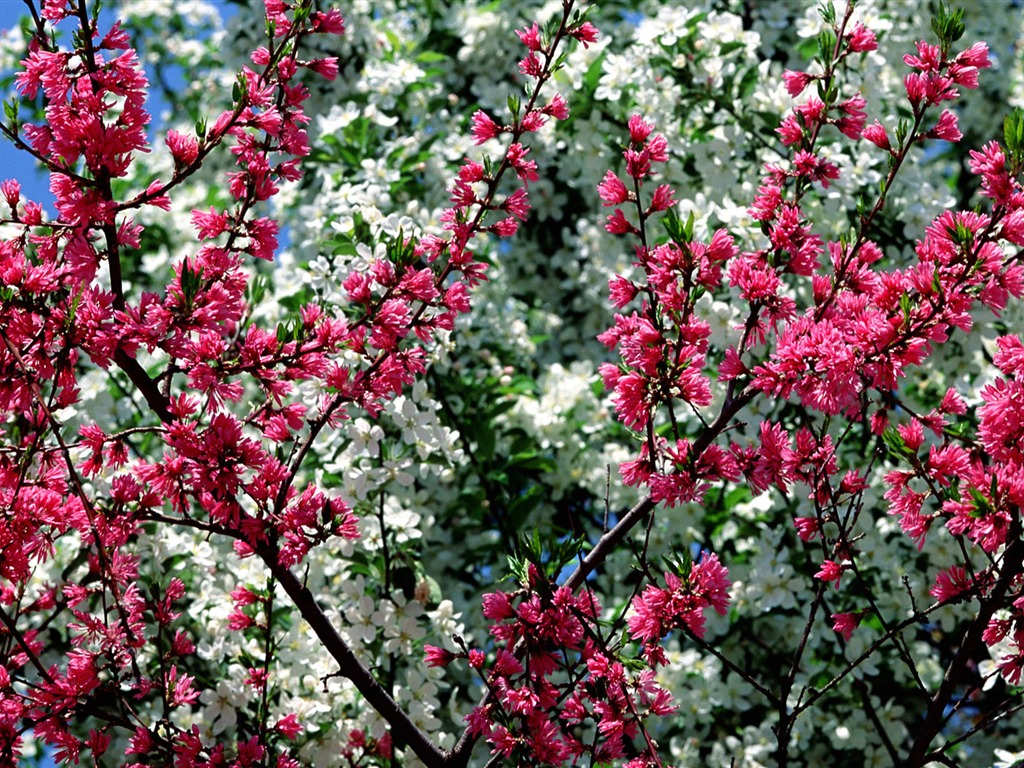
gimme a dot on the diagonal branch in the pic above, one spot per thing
(403, 729)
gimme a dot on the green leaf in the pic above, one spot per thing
(1013, 136)
(532, 461)
(486, 442)
(895, 443)
(827, 11)
(191, 283)
(431, 57)
(826, 45)
(982, 506)
(676, 229)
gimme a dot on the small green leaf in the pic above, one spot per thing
(826, 45)
(827, 11)
(1013, 135)
(895, 443)
(191, 283)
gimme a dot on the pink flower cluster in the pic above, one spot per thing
(663, 347)
(558, 691)
(680, 604)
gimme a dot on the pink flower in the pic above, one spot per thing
(209, 225)
(807, 528)
(326, 67)
(657, 611)
(639, 129)
(875, 133)
(140, 742)
(618, 225)
(852, 124)
(975, 56)
(861, 39)
(558, 108)
(830, 571)
(55, 10)
(621, 291)
(1009, 359)
(329, 22)
(611, 190)
(916, 86)
(638, 164)
(289, 726)
(795, 81)
(11, 190)
(951, 583)
(483, 127)
(928, 59)
(179, 688)
(586, 33)
(517, 204)
(790, 131)
(497, 606)
(662, 199)
(531, 65)
(845, 623)
(815, 168)
(709, 580)
(946, 129)
(525, 169)
(521, 700)
(437, 657)
(530, 37)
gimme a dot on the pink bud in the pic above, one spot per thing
(483, 127)
(946, 129)
(184, 148)
(830, 571)
(663, 198)
(861, 39)
(639, 129)
(795, 81)
(845, 623)
(611, 190)
(530, 37)
(876, 134)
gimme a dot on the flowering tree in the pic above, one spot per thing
(319, 450)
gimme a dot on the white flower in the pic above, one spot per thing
(222, 703)
(362, 620)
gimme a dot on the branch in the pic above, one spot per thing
(403, 730)
(144, 384)
(608, 542)
(936, 715)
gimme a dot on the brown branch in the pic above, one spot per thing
(403, 729)
(15, 633)
(145, 385)
(609, 541)
(936, 714)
